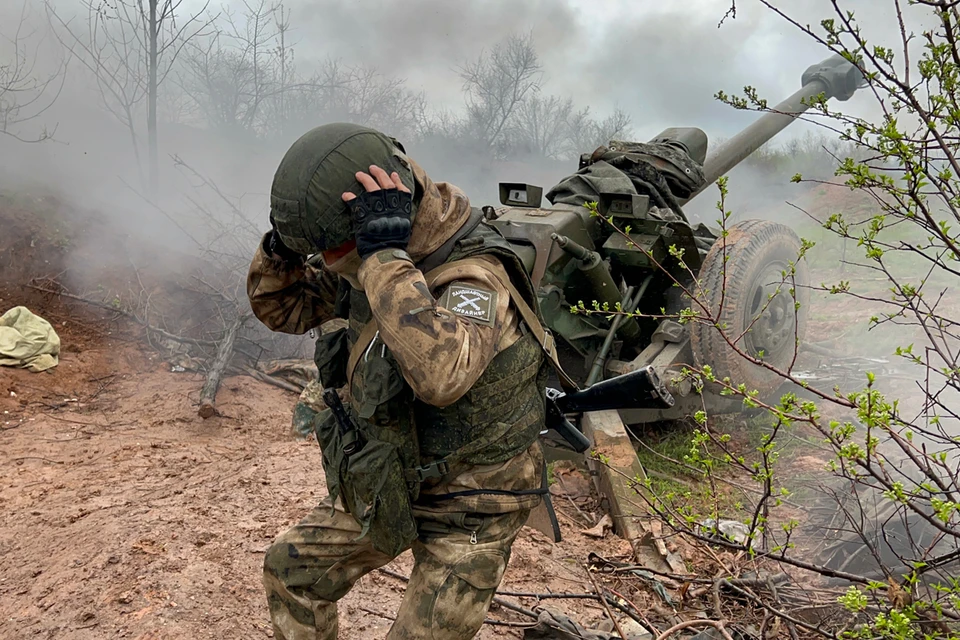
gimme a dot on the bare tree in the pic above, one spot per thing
(541, 126)
(497, 85)
(24, 96)
(506, 115)
(440, 128)
(362, 94)
(353, 93)
(233, 72)
(617, 125)
(222, 83)
(130, 46)
(286, 68)
(586, 133)
(242, 77)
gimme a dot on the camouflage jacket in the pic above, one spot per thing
(440, 353)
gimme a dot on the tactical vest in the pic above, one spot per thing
(408, 442)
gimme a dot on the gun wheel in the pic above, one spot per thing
(747, 279)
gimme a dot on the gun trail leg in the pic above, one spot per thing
(614, 482)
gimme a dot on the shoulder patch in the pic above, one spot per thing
(476, 303)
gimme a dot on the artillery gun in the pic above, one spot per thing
(573, 256)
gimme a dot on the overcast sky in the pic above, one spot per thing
(660, 60)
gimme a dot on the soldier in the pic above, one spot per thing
(442, 369)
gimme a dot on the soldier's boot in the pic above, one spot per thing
(309, 568)
(456, 574)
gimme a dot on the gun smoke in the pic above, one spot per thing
(248, 79)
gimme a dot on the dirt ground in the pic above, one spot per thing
(125, 515)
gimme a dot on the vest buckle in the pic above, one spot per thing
(436, 469)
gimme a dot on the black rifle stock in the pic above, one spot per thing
(640, 389)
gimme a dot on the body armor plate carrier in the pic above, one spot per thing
(406, 442)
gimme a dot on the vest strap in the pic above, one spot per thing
(367, 335)
(543, 336)
(440, 256)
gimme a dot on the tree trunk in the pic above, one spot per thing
(208, 395)
(152, 102)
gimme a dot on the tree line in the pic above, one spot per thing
(237, 74)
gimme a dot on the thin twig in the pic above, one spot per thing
(35, 458)
(719, 626)
(606, 606)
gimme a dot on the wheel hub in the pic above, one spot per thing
(771, 319)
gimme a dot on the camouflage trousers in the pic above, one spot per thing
(459, 558)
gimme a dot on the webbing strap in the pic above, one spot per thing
(440, 256)
(367, 334)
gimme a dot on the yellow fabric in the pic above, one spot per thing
(28, 341)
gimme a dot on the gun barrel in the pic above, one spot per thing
(742, 145)
(835, 77)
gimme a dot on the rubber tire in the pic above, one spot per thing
(754, 250)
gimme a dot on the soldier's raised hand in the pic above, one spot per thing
(382, 214)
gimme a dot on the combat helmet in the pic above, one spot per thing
(306, 207)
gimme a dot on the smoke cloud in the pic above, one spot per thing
(661, 63)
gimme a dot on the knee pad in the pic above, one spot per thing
(279, 558)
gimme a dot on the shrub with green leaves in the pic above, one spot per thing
(890, 537)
